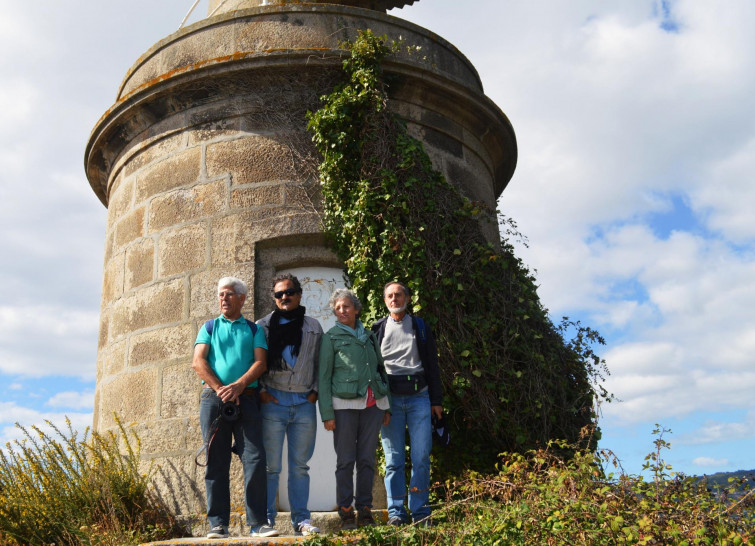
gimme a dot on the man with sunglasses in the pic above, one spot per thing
(288, 395)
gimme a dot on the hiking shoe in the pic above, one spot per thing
(397, 521)
(348, 521)
(364, 517)
(264, 531)
(305, 528)
(219, 531)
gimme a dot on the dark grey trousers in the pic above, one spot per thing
(355, 440)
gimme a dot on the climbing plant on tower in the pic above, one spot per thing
(512, 379)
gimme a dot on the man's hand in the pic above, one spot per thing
(312, 397)
(231, 393)
(266, 398)
(386, 418)
(437, 411)
(330, 424)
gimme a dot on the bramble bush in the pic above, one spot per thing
(62, 489)
(540, 497)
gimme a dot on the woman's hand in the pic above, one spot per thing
(330, 424)
(266, 398)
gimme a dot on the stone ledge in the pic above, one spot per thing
(328, 522)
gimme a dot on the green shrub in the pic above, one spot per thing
(540, 497)
(64, 490)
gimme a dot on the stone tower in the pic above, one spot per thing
(202, 163)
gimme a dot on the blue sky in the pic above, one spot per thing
(634, 187)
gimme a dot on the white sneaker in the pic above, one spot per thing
(219, 531)
(306, 528)
(264, 531)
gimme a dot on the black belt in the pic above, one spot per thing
(407, 384)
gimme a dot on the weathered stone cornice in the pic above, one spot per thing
(199, 65)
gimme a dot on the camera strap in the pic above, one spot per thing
(206, 446)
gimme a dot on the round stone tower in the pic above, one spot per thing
(205, 166)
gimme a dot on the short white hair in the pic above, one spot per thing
(238, 285)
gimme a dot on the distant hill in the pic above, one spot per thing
(744, 480)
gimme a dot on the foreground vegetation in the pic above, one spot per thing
(539, 498)
(65, 490)
(61, 489)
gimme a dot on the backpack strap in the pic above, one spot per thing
(252, 327)
(211, 323)
(420, 326)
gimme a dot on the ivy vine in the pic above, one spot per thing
(512, 380)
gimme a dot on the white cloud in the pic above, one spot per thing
(16, 33)
(12, 414)
(727, 189)
(644, 357)
(72, 400)
(23, 96)
(710, 462)
(690, 331)
(716, 431)
(64, 340)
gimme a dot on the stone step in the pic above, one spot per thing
(328, 522)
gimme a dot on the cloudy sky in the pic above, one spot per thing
(636, 130)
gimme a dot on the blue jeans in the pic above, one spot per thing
(299, 425)
(247, 431)
(412, 411)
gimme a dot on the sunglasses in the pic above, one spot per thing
(288, 292)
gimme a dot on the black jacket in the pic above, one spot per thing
(428, 354)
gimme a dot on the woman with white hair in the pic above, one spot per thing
(354, 403)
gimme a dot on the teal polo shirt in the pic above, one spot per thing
(231, 348)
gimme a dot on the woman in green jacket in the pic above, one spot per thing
(354, 403)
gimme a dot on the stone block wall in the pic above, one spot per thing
(189, 213)
(207, 170)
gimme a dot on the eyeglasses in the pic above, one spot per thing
(288, 291)
(222, 295)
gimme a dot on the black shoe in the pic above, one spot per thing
(364, 517)
(397, 521)
(348, 520)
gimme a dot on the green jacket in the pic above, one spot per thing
(347, 367)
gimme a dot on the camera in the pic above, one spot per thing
(230, 411)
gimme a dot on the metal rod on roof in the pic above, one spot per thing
(194, 5)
